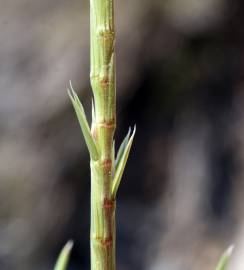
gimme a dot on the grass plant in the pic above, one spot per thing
(106, 167)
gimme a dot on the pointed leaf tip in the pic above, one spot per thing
(71, 86)
(69, 245)
(230, 250)
(70, 95)
(80, 113)
(63, 258)
(122, 148)
(122, 162)
(224, 260)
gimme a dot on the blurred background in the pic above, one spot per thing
(180, 79)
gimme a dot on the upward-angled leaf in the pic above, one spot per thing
(121, 165)
(93, 112)
(83, 124)
(63, 258)
(122, 148)
(113, 157)
(224, 260)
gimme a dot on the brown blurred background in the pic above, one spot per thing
(180, 79)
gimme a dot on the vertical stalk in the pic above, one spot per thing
(102, 77)
(106, 171)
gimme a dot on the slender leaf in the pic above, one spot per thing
(63, 258)
(224, 260)
(93, 112)
(113, 158)
(83, 124)
(122, 148)
(121, 165)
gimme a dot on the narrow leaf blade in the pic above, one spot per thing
(224, 260)
(84, 125)
(93, 112)
(121, 166)
(122, 148)
(113, 158)
(63, 258)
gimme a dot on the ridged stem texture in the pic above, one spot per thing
(102, 75)
(106, 170)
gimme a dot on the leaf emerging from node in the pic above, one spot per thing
(123, 155)
(83, 124)
(122, 148)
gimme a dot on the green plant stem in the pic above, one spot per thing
(106, 173)
(103, 126)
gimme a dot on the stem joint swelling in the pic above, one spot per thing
(109, 204)
(107, 124)
(106, 34)
(103, 242)
(101, 82)
(106, 165)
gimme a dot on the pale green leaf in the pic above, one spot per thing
(121, 165)
(63, 258)
(93, 112)
(122, 148)
(224, 260)
(113, 157)
(83, 124)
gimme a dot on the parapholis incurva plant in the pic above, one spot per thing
(106, 169)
